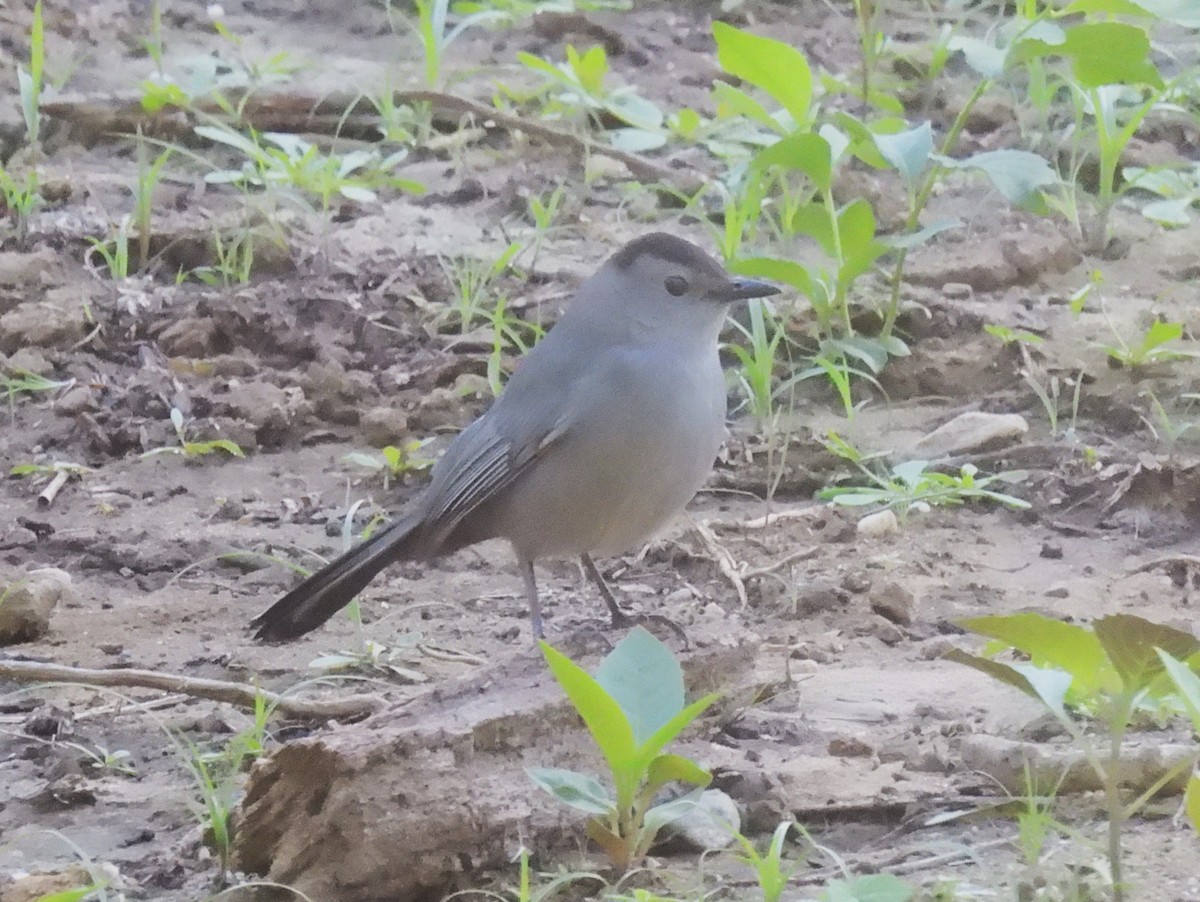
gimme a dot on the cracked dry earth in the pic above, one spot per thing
(839, 711)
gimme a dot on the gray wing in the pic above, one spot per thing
(532, 415)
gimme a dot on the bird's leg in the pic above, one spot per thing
(531, 595)
(619, 617)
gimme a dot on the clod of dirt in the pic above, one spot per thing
(30, 361)
(269, 410)
(710, 824)
(25, 271)
(382, 426)
(380, 811)
(53, 322)
(77, 400)
(972, 431)
(45, 885)
(1016, 765)
(27, 602)
(193, 336)
(893, 601)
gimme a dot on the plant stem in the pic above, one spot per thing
(922, 198)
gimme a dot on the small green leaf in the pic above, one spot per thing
(915, 239)
(642, 676)
(1048, 686)
(600, 712)
(804, 151)
(908, 151)
(577, 790)
(1017, 174)
(1131, 644)
(1187, 684)
(1191, 801)
(675, 768)
(789, 272)
(776, 68)
(1050, 643)
(1101, 53)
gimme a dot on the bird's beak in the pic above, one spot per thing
(743, 289)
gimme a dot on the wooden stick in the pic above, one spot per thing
(242, 695)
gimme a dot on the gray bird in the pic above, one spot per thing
(605, 431)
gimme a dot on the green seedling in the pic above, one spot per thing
(192, 450)
(50, 470)
(278, 161)
(1178, 191)
(1050, 393)
(16, 383)
(911, 486)
(1009, 336)
(510, 333)
(20, 199)
(1155, 347)
(472, 279)
(149, 173)
(436, 34)
(580, 82)
(756, 373)
(769, 867)
(633, 707)
(392, 462)
(1187, 687)
(113, 252)
(29, 81)
(233, 259)
(1110, 671)
(1163, 427)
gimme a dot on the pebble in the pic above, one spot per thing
(893, 601)
(880, 523)
(27, 602)
(973, 430)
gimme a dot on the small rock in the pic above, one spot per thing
(850, 747)
(886, 632)
(709, 824)
(957, 291)
(31, 361)
(893, 601)
(856, 582)
(439, 409)
(38, 325)
(1051, 551)
(42, 885)
(192, 336)
(1057, 592)
(973, 430)
(880, 523)
(76, 400)
(383, 426)
(27, 602)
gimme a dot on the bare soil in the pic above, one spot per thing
(861, 732)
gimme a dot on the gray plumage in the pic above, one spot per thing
(604, 432)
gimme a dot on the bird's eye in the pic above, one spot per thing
(676, 285)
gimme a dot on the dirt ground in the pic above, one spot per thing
(332, 349)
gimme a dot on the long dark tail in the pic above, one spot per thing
(332, 588)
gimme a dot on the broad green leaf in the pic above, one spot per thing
(1131, 644)
(1161, 333)
(789, 272)
(1017, 174)
(675, 768)
(733, 102)
(71, 895)
(776, 68)
(813, 220)
(1187, 684)
(661, 815)
(663, 735)
(577, 790)
(868, 888)
(600, 712)
(636, 111)
(984, 57)
(1051, 643)
(1191, 801)
(1048, 686)
(1101, 53)
(805, 151)
(914, 239)
(636, 140)
(908, 151)
(642, 676)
